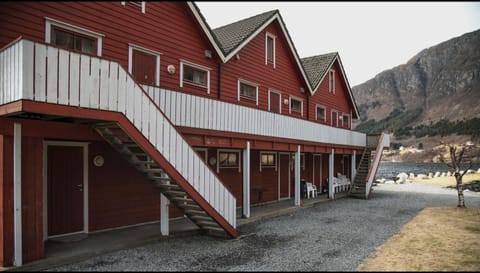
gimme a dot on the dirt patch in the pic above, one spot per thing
(470, 181)
(437, 239)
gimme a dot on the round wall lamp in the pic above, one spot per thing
(171, 69)
(98, 161)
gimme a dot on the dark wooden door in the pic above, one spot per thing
(334, 119)
(284, 172)
(144, 67)
(274, 100)
(64, 189)
(318, 171)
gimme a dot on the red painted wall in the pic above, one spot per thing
(339, 101)
(285, 77)
(167, 27)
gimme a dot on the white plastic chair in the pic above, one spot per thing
(311, 189)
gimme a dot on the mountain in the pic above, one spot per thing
(439, 85)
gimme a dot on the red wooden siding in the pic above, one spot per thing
(339, 101)
(167, 27)
(285, 77)
(264, 183)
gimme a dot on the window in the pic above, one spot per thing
(345, 120)
(72, 37)
(228, 159)
(202, 153)
(268, 160)
(137, 4)
(144, 65)
(334, 118)
(270, 49)
(247, 90)
(320, 113)
(331, 81)
(194, 74)
(296, 105)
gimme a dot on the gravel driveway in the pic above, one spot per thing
(332, 236)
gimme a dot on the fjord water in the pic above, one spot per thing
(389, 170)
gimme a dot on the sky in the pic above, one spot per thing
(369, 36)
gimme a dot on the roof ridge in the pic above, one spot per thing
(248, 18)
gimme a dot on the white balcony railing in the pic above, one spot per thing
(198, 112)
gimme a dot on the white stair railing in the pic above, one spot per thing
(43, 73)
(383, 142)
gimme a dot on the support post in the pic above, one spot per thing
(353, 167)
(164, 216)
(17, 194)
(297, 177)
(246, 181)
(331, 189)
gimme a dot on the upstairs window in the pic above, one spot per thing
(331, 81)
(296, 105)
(270, 49)
(73, 41)
(194, 74)
(72, 37)
(247, 90)
(320, 113)
(138, 4)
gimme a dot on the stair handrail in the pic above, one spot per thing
(372, 172)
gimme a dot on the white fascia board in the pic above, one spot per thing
(206, 31)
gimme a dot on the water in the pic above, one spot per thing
(389, 170)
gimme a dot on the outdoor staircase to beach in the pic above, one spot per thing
(359, 186)
(133, 153)
(368, 166)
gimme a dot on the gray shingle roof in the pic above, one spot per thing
(316, 66)
(232, 35)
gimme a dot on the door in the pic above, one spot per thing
(65, 195)
(274, 102)
(284, 174)
(317, 172)
(334, 120)
(144, 67)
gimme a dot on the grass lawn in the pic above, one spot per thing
(437, 239)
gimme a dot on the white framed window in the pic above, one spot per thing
(228, 158)
(270, 48)
(154, 54)
(73, 37)
(247, 90)
(346, 120)
(274, 101)
(194, 74)
(268, 160)
(139, 4)
(296, 105)
(320, 112)
(331, 81)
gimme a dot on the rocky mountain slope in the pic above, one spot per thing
(440, 82)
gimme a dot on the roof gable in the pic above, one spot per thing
(317, 67)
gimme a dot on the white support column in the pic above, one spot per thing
(297, 177)
(353, 169)
(164, 216)
(331, 189)
(246, 181)
(17, 194)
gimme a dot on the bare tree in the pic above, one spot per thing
(460, 161)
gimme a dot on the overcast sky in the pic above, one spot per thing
(369, 36)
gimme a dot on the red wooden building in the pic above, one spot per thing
(107, 120)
